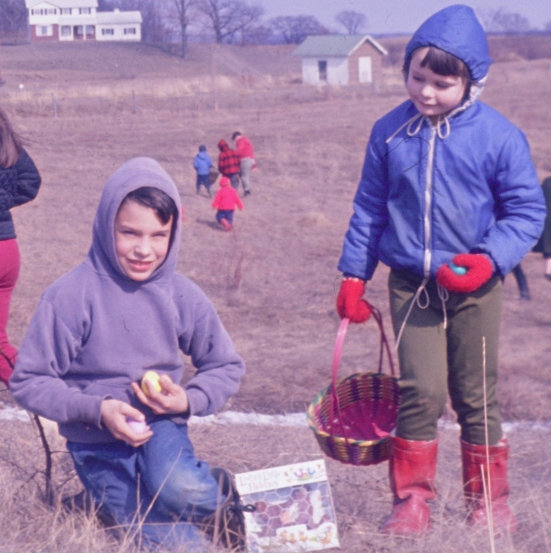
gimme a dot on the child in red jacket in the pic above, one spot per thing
(225, 201)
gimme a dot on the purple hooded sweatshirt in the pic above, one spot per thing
(95, 330)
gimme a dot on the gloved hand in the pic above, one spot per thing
(350, 303)
(465, 273)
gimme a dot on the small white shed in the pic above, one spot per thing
(340, 59)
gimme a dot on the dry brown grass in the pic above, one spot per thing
(273, 281)
(360, 495)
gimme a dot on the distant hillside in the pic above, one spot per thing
(131, 60)
(127, 61)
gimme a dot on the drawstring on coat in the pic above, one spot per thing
(422, 300)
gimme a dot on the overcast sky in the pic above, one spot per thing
(400, 16)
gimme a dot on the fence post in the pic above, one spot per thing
(54, 105)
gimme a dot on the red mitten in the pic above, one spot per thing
(466, 272)
(350, 303)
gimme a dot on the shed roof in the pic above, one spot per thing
(334, 45)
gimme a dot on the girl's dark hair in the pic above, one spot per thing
(10, 142)
(160, 202)
(442, 63)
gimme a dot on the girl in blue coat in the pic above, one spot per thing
(450, 201)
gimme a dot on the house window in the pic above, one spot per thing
(65, 30)
(89, 30)
(84, 10)
(322, 70)
(108, 32)
(44, 11)
(44, 30)
(66, 11)
(79, 29)
(129, 31)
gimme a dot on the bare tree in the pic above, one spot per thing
(294, 29)
(503, 21)
(352, 21)
(229, 19)
(184, 11)
(13, 17)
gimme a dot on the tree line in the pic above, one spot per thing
(177, 22)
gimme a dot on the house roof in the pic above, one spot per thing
(62, 3)
(118, 17)
(334, 45)
(77, 20)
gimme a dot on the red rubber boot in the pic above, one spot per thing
(225, 224)
(487, 467)
(412, 468)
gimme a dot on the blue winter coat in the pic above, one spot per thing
(428, 192)
(202, 163)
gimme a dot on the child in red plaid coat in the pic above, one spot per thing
(228, 163)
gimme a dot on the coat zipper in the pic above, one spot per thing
(428, 202)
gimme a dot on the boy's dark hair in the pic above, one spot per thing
(160, 202)
(202, 148)
(235, 134)
(442, 63)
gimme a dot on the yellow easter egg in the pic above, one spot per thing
(153, 378)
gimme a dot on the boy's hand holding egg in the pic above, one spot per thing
(150, 379)
(161, 395)
(137, 426)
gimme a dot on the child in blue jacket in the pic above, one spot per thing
(202, 164)
(450, 201)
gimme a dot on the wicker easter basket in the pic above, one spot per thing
(353, 417)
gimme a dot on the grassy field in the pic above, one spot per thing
(86, 108)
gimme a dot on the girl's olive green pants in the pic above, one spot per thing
(459, 359)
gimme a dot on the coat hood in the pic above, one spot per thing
(223, 145)
(455, 30)
(135, 173)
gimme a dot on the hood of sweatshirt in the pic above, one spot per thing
(455, 30)
(223, 145)
(135, 173)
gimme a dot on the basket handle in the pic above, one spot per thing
(339, 342)
(384, 346)
(337, 351)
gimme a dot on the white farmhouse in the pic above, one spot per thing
(62, 20)
(340, 59)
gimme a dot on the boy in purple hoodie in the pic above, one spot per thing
(97, 330)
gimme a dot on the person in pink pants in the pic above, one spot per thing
(19, 184)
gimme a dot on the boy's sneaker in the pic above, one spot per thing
(226, 526)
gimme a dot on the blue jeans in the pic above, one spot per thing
(202, 180)
(155, 492)
(224, 214)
